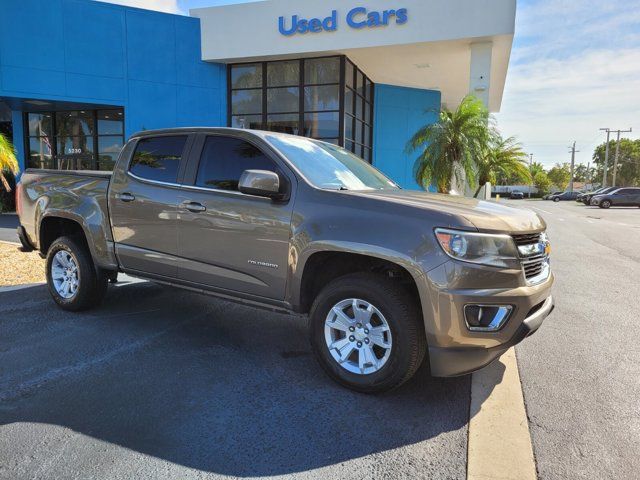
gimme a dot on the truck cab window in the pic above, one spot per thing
(224, 159)
(158, 158)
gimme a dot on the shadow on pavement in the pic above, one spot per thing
(202, 383)
(8, 224)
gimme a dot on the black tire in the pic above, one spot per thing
(92, 285)
(556, 199)
(605, 204)
(409, 344)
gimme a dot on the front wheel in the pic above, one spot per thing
(556, 199)
(73, 280)
(367, 333)
(605, 204)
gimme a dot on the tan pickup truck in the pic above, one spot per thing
(389, 278)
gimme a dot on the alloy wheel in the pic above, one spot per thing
(65, 274)
(358, 336)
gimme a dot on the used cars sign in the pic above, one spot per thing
(357, 18)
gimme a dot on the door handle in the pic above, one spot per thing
(194, 207)
(125, 197)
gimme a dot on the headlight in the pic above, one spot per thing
(480, 248)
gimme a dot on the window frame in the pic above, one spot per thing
(54, 137)
(302, 113)
(181, 165)
(287, 177)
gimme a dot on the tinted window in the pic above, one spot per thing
(224, 159)
(158, 158)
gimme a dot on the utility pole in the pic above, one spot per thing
(615, 163)
(530, 171)
(573, 164)
(606, 157)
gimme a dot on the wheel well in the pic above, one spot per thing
(53, 228)
(323, 267)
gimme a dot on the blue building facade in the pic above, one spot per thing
(69, 68)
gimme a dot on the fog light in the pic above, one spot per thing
(486, 318)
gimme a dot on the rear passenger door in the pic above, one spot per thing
(624, 197)
(143, 202)
(228, 240)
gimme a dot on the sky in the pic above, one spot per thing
(575, 68)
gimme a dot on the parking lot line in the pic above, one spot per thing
(540, 209)
(499, 438)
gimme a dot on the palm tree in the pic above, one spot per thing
(451, 147)
(503, 159)
(8, 161)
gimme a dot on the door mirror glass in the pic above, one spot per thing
(262, 183)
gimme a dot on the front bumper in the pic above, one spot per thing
(455, 361)
(456, 350)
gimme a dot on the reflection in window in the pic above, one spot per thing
(322, 124)
(246, 76)
(158, 158)
(224, 159)
(283, 74)
(253, 122)
(283, 100)
(330, 167)
(284, 123)
(68, 140)
(322, 70)
(110, 122)
(40, 153)
(322, 98)
(247, 101)
(306, 97)
(108, 150)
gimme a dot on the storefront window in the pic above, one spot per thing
(312, 97)
(75, 140)
(358, 116)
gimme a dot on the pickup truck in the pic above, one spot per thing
(388, 278)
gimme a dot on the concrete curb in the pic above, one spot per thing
(14, 288)
(499, 438)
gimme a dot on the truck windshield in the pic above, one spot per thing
(329, 167)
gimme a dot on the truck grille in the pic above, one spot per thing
(526, 239)
(535, 264)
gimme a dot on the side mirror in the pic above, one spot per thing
(261, 183)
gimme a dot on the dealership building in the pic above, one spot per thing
(77, 77)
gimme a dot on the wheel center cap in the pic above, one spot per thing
(360, 335)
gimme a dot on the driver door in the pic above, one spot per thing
(228, 240)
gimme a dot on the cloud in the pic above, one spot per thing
(167, 6)
(575, 68)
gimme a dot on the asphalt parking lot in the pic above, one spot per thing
(164, 384)
(580, 373)
(160, 383)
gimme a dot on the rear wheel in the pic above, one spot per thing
(367, 333)
(73, 280)
(605, 204)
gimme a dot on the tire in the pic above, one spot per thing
(408, 344)
(605, 204)
(91, 284)
(556, 199)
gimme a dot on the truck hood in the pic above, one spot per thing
(485, 216)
